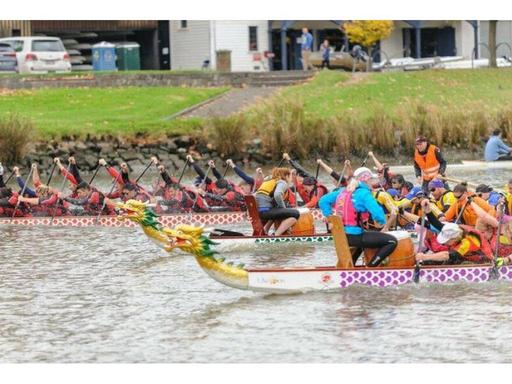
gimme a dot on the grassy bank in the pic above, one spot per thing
(98, 111)
(380, 111)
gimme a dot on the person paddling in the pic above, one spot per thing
(271, 199)
(355, 204)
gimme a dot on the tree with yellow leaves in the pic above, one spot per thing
(368, 32)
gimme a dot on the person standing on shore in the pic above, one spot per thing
(496, 149)
(428, 162)
(326, 54)
(306, 47)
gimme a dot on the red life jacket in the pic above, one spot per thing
(344, 207)
(432, 243)
(504, 250)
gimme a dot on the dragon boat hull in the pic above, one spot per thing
(208, 219)
(297, 280)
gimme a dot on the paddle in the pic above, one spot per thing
(416, 274)
(225, 171)
(9, 178)
(226, 233)
(144, 171)
(94, 174)
(341, 174)
(51, 174)
(183, 171)
(462, 210)
(22, 192)
(61, 189)
(364, 161)
(280, 163)
(494, 273)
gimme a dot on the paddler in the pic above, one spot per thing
(271, 199)
(465, 244)
(463, 204)
(355, 204)
(428, 162)
(444, 198)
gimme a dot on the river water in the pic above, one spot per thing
(104, 295)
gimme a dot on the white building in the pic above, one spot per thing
(196, 43)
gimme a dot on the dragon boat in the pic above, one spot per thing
(398, 269)
(155, 229)
(206, 218)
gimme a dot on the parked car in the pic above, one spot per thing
(39, 54)
(8, 60)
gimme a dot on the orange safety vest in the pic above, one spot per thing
(428, 162)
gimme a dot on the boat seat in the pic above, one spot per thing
(258, 228)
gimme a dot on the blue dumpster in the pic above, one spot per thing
(104, 57)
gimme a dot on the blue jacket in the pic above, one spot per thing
(363, 202)
(326, 52)
(494, 148)
(307, 42)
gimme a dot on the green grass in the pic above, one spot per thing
(99, 111)
(327, 95)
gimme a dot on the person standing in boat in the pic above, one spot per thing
(355, 204)
(496, 149)
(428, 162)
(271, 199)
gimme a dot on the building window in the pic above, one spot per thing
(183, 24)
(253, 38)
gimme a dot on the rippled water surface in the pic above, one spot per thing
(109, 295)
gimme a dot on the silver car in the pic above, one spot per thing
(8, 60)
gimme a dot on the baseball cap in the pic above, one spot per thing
(436, 183)
(363, 174)
(414, 192)
(483, 188)
(393, 192)
(450, 231)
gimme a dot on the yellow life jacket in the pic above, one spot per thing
(267, 187)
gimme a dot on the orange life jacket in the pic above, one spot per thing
(428, 162)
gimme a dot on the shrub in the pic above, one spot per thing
(16, 133)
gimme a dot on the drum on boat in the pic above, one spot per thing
(305, 225)
(402, 256)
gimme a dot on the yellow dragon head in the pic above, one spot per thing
(138, 212)
(189, 239)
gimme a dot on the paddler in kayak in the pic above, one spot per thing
(271, 199)
(355, 204)
(428, 162)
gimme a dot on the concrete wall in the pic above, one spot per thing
(234, 36)
(189, 46)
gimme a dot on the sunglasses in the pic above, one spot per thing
(432, 189)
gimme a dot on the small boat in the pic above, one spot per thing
(400, 267)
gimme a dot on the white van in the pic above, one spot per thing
(39, 54)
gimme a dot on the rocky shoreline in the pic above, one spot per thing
(172, 152)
